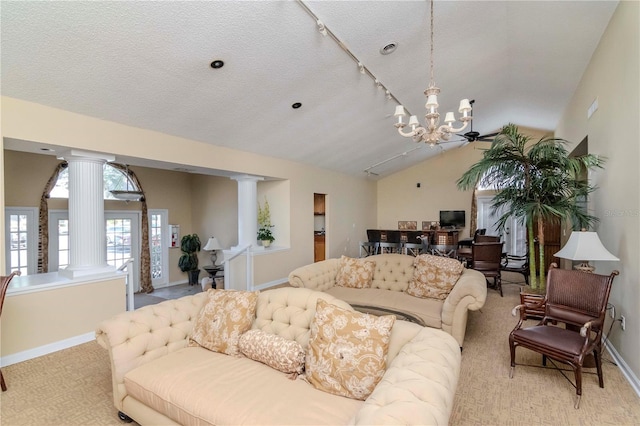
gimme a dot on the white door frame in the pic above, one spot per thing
(515, 233)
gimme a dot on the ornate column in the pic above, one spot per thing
(87, 248)
(247, 209)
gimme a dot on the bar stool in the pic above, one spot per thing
(412, 249)
(368, 248)
(387, 247)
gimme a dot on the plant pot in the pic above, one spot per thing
(266, 243)
(193, 276)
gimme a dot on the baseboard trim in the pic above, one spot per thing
(46, 349)
(270, 284)
(624, 367)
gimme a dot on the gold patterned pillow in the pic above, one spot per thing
(277, 352)
(222, 320)
(355, 273)
(434, 276)
(347, 350)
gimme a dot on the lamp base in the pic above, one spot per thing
(214, 257)
(585, 267)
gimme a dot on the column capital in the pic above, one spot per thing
(246, 178)
(82, 155)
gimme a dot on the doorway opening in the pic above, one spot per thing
(319, 227)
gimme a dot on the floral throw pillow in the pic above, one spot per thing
(226, 315)
(277, 352)
(434, 276)
(347, 350)
(355, 273)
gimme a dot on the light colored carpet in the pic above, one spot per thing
(73, 387)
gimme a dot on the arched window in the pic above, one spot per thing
(114, 179)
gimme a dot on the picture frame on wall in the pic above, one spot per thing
(407, 225)
(429, 225)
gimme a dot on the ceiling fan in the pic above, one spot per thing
(472, 136)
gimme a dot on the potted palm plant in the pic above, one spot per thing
(265, 236)
(188, 262)
(535, 182)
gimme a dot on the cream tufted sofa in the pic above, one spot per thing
(157, 379)
(391, 277)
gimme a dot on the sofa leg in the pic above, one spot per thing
(122, 416)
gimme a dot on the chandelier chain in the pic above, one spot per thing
(432, 83)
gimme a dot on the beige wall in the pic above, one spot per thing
(613, 77)
(32, 320)
(351, 201)
(399, 198)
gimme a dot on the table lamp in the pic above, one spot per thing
(584, 246)
(213, 245)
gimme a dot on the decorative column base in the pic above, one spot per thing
(88, 271)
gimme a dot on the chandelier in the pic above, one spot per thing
(432, 133)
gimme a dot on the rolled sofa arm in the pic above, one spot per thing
(419, 386)
(137, 337)
(319, 276)
(469, 294)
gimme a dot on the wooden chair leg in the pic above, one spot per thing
(578, 373)
(598, 357)
(2, 383)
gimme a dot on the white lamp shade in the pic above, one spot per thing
(212, 244)
(465, 105)
(432, 101)
(413, 121)
(449, 118)
(584, 245)
(399, 111)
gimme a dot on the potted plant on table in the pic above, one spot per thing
(264, 221)
(188, 262)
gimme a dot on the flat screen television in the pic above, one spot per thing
(452, 218)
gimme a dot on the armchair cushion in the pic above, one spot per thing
(355, 273)
(434, 276)
(347, 350)
(222, 320)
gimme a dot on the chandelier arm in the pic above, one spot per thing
(455, 129)
(408, 134)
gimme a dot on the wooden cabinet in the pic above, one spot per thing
(318, 248)
(318, 204)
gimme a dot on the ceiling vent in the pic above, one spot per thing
(388, 48)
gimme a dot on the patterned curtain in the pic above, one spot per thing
(43, 220)
(145, 256)
(473, 225)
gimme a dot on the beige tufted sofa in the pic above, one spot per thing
(157, 379)
(391, 277)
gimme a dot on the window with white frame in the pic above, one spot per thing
(21, 242)
(158, 246)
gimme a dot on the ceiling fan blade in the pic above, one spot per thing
(488, 137)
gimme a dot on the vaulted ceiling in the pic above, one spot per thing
(147, 64)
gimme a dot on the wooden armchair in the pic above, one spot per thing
(486, 258)
(4, 285)
(578, 300)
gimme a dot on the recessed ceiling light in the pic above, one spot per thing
(296, 105)
(389, 48)
(217, 64)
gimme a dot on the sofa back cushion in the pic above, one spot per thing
(392, 271)
(347, 351)
(289, 312)
(434, 276)
(223, 319)
(355, 273)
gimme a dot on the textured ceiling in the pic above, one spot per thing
(146, 64)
